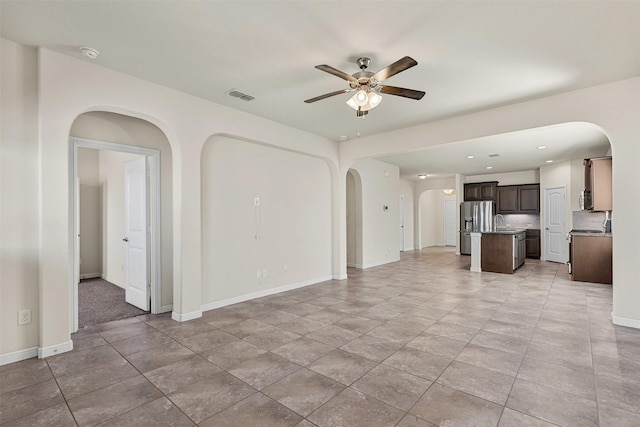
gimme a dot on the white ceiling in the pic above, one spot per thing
(472, 55)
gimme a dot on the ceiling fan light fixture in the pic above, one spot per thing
(361, 98)
(374, 99)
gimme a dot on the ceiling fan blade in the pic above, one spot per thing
(400, 91)
(395, 68)
(326, 95)
(329, 69)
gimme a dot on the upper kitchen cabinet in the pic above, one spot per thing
(518, 199)
(597, 184)
(480, 191)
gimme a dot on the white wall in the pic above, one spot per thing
(121, 129)
(407, 189)
(19, 200)
(380, 228)
(551, 176)
(509, 178)
(432, 217)
(354, 219)
(291, 226)
(90, 209)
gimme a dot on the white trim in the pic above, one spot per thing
(340, 277)
(352, 265)
(153, 156)
(19, 355)
(376, 264)
(114, 282)
(90, 276)
(266, 292)
(54, 349)
(623, 321)
(166, 308)
(179, 317)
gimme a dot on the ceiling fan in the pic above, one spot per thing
(368, 85)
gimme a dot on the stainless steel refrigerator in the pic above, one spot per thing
(474, 216)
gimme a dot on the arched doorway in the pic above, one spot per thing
(101, 144)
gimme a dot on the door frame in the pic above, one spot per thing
(401, 209)
(154, 227)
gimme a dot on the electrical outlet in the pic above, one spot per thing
(24, 317)
(285, 269)
(265, 272)
(258, 273)
(256, 201)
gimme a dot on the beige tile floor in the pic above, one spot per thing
(419, 342)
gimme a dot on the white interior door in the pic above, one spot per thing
(450, 228)
(137, 291)
(401, 223)
(555, 234)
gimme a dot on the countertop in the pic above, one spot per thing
(590, 233)
(511, 231)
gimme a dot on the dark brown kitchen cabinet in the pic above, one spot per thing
(592, 259)
(502, 252)
(533, 243)
(507, 199)
(480, 191)
(518, 199)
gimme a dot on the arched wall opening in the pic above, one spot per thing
(102, 168)
(267, 220)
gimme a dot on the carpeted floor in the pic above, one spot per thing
(100, 301)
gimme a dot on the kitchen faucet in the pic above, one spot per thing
(495, 221)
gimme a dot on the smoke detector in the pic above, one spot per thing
(89, 52)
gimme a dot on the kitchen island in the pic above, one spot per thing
(501, 251)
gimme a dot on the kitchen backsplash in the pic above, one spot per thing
(587, 220)
(522, 221)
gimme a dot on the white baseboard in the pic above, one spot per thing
(352, 265)
(266, 292)
(166, 308)
(90, 275)
(115, 282)
(178, 317)
(19, 355)
(340, 277)
(623, 321)
(54, 349)
(376, 264)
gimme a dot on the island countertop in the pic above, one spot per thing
(512, 231)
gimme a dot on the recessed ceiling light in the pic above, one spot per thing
(489, 167)
(422, 176)
(469, 157)
(542, 147)
(89, 52)
(549, 161)
(343, 137)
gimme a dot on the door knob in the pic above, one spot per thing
(125, 239)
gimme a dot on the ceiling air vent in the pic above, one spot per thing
(494, 155)
(237, 94)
